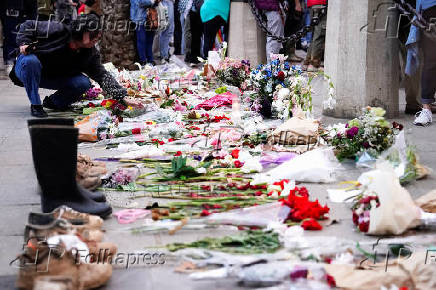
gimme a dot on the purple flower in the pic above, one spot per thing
(346, 125)
(197, 157)
(352, 132)
(339, 136)
(366, 145)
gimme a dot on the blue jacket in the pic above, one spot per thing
(138, 10)
(413, 40)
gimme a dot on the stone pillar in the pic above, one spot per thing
(246, 40)
(361, 56)
(117, 44)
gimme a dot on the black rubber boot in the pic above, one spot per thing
(97, 196)
(54, 150)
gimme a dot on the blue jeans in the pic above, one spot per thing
(165, 36)
(307, 21)
(144, 43)
(69, 88)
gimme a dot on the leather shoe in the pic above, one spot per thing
(38, 111)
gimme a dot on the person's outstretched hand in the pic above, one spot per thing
(23, 49)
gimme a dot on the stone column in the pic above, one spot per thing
(361, 56)
(117, 44)
(246, 40)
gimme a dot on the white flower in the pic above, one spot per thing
(201, 170)
(252, 165)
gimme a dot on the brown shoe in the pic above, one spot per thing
(90, 183)
(43, 260)
(53, 283)
(64, 212)
(62, 227)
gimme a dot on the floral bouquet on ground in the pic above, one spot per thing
(265, 78)
(370, 132)
(383, 206)
(233, 72)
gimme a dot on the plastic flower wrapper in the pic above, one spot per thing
(123, 178)
(318, 165)
(384, 207)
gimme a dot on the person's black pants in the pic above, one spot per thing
(211, 28)
(177, 29)
(428, 45)
(196, 29)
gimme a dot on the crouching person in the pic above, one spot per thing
(61, 57)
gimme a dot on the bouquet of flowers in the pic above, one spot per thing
(370, 132)
(265, 78)
(361, 209)
(233, 72)
(298, 96)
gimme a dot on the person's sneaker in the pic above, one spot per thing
(312, 68)
(37, 111)
(423, 118)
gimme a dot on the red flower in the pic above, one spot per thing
(257, 193)
(161, 142)
(311, 224)
(178, 153)
(355, 219)
(281, 75)
(91, 105)
(238, 164)
(204, 213)
(217, 206)
(364, 227)
(330, 280)
(171, 140)
(136, 131)
(235, 153)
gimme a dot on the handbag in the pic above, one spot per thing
(152, 21)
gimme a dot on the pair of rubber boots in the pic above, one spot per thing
(54, 150)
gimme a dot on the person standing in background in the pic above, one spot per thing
(177, 29)
(167, 34)
(275, 24)
(315, 52)
(214, 14)
(421, 51)
(15, 12)
(65, 10)
(193, 33)
(292, 25)
(144, 37)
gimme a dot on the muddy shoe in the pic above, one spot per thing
(40, 260)
(69, 214)
(62, 227)
(53, 283)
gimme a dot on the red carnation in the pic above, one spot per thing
(204, 213)
(311, 224)
(136, 131)
(330, 280)
(281, 75)
(235, 153)
(364, 227)
(355, 219)
(238, 164)
(178, 153)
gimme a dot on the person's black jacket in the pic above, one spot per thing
(50, 40)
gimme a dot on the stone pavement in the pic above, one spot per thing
(18, 195)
